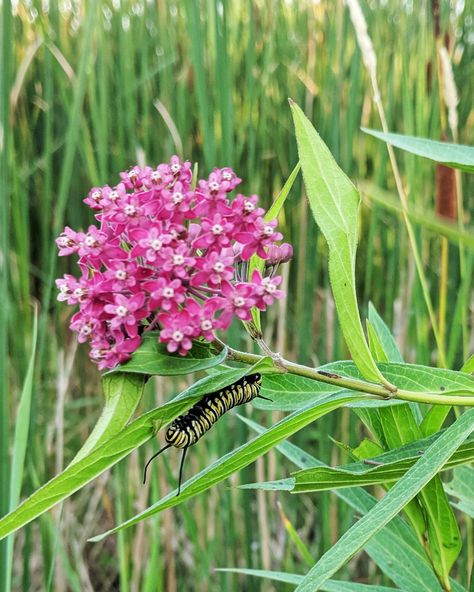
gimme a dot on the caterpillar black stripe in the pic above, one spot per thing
(188, 428)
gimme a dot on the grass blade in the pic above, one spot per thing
(20, 442)
(6, 64)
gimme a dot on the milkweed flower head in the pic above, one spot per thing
(168, 255)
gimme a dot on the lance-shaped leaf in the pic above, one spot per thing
(374, 472)
(334, 202)
(395, 549)
(257, 262)
(461, 488)
(82, 471)
(391, 504)
(329, 586)
(290, 391)
(122, 393)
(152, 357)
(453, 155)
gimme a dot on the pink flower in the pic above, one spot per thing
(239, 301)
(246, 211)
(178, 199)
(266, 290)
(213, 269)
(128, 210)
(112, 195)
(107, 355)
(97, 247)
(168, 257)
(69, 241)
(279, 254)
(177, 261)
(126, 312)
(135, 178)
(177, 332)
(94, 198)
(85, 325)
(165, 294)
(70, 289)
(206, 315)
(150, 242)
(216, 232)
(254, 242)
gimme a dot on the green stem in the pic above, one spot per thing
(434, 398)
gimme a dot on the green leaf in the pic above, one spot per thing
(255, 261)
(290, 391)
(413, 377)
(80, 472)
(375, 344)
(462, 489)
(22, 422)
(430, 510)
(329, 586)
(426, 219)
(384, 335)
(295, 538)
(152, 357)
(453, 155)
(122, 393)
(287, 484)
(395, 549)
(393, 502)
(468, 366)
(334, 202)
(279, 202)
(367, 449)
(363, 474)
(239, 458)
(434, 419)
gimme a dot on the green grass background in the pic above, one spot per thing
(91, 88)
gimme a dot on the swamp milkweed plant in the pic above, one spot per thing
(168, 253)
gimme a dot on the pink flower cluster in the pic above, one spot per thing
(168, 256)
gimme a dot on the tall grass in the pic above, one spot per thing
(86, 82)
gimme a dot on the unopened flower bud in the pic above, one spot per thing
(279, 254)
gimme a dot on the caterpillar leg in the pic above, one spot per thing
(181, 470)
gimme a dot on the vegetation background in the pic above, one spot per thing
(91, 88)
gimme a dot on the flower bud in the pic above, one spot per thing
(279, 254)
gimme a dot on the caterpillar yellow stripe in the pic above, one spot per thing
(188, 428)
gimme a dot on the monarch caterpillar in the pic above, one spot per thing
(188, 428)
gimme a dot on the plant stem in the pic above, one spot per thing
(434, 398)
